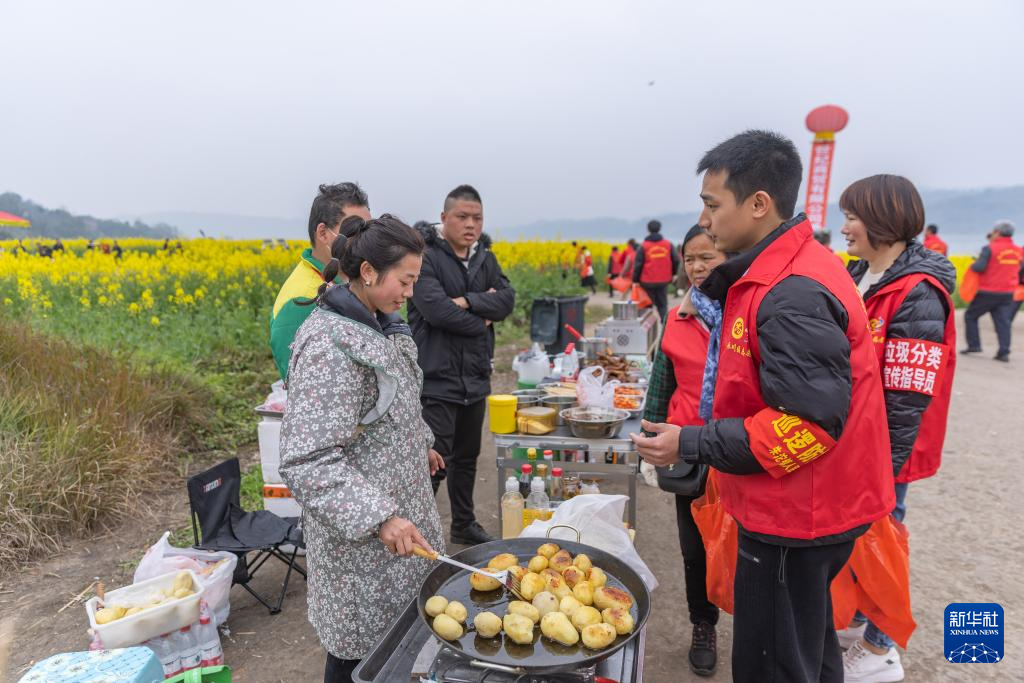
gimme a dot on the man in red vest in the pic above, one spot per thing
(933, 241)
(798, 430)
(1001, 269)
(656, 263)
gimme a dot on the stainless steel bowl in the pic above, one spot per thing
(559, 403)
(594, 423)
(527, 398)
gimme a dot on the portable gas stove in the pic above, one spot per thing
(410, 652)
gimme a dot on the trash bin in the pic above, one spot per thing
(550, 315)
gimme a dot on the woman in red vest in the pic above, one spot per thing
(797, 434)
(1001, 269)
(907, 292)
(673, 396)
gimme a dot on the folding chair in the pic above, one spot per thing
(215, 506)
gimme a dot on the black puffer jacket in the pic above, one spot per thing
(921, 316)
(456, 345)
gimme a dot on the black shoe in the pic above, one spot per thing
(704, 649)
(1003, 357)
(471, 534)
(964, 352)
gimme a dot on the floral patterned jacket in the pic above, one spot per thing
(354, 453)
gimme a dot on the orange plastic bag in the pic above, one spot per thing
(969, 285)
(876, 580)
(620, 284)
(640, 297)
(720, 534)
(1018, 294)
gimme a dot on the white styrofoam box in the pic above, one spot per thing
(150, 623)
(269, 432)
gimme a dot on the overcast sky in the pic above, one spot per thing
(121, 108)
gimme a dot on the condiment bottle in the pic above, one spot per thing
(512, 506)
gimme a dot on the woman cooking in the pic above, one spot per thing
(355, 451)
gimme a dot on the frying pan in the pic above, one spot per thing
(543, 655)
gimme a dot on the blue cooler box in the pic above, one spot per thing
(131, 664)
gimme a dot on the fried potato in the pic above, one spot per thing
(568, 605)
(545, 602)
(479, 582)
(598, 636)
(525, 609)
(436, 605)
(538, 564)
(457, 611)
(606, 597)
(488, 624)
(447, 628)
(558, 628)
(620, 619)
(517, 571)
(518, 628)
(573, 575)
(503, 561)
(560, 561)
(547, 550)
(583, 562)
(545, 573)
(584, 592)
(585, 616)
(531, 584)
(597, 577)
(555, 584)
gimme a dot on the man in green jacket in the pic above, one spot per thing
(332, 205)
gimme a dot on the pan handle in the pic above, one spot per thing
(517, 670)
(564, 526)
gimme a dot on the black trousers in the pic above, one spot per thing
(659, 296)
(1002, 307)
(782, 628)
(695, 565)
(339, 670)
(456, 429)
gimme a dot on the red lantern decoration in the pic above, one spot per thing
(824, 122)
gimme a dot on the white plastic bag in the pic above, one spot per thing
(592, 391)
(599, 520)
(213, 569)
(277, 399)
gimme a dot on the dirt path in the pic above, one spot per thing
(965, 547)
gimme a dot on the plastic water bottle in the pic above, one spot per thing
(512, 507)
(167, 653)
(95, 645)
(538, 505)
(188, 646)
(209, 640)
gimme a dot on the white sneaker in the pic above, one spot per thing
(863, 666)
(849, 636)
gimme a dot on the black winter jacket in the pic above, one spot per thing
(456, 345)
(921, 316)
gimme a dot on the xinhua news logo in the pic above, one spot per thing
(974, 633)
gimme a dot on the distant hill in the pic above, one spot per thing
(963, 217)
(61, 223)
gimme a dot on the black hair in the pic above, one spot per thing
(615, 248)
(381, 242)
(932, 228)
(465, 193)
(653, 226)
(422, 225)
(631, 242)
(758, 160)
(330, 203)
(695, 231)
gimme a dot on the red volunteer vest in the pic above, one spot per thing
(916, 365)
(617, 259)
(936, 243)
(1003, 269)
(685, 342)
(657, 268)
(814, 486)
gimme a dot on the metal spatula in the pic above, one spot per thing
(506, 579)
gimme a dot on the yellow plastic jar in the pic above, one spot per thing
(503, 413)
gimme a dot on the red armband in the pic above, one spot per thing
(784, 443)
(914, 365)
